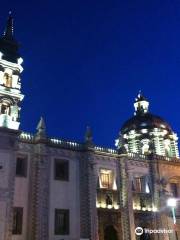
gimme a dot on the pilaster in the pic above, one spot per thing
(39, 209)
(85, 221)
(88, 185)
(127, 216)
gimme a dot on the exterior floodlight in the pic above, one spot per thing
(171, 202)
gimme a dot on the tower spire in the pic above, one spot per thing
(88, 136)
(41, 129)
(9, 47)
(8, 33)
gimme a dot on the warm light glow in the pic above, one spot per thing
(138, 208)
(97, 205)
(154, 209)
(103, 205)
(106, 178)
(109, 206)
(116, 206)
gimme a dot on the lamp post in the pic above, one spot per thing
(172, 202)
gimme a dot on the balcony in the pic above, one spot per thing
(107, 199)
(143, 202)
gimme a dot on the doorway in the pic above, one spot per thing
(110, 233)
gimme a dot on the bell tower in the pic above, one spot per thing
(10, 82)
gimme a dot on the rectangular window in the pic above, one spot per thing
(61, 170)
(17, 220)
(21, 166)
(61, 221)
(174, 189)
(106, 178)
(139, 182)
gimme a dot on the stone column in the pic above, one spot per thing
(39, 204)
(155, 178)
(84, 197)
(88, 185)
(127, 216)
(93, 193)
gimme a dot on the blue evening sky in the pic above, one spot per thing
(85, 61)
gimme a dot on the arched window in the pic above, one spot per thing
(167, 147)
(174, 186)
(145, 149)
(174, 189)
(5, 107)
(7, 80)
(145, 146)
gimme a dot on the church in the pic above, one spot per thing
(52, 189)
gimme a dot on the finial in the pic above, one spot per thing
(140, 97)
(140, 93)
(41, 129)
(8, 33)
(89, 136)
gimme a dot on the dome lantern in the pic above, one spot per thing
(141, 104)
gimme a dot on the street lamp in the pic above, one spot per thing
(171, 202)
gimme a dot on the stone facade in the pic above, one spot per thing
(86, 197)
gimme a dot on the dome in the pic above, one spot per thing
(146, 133)
(145, 121)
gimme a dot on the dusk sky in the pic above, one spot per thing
(85, 61)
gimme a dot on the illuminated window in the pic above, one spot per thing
(61, 221)
(7, 80)
(17, 220)
(167, 147)
(106, 178)
(145, 149)
(140, 185)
